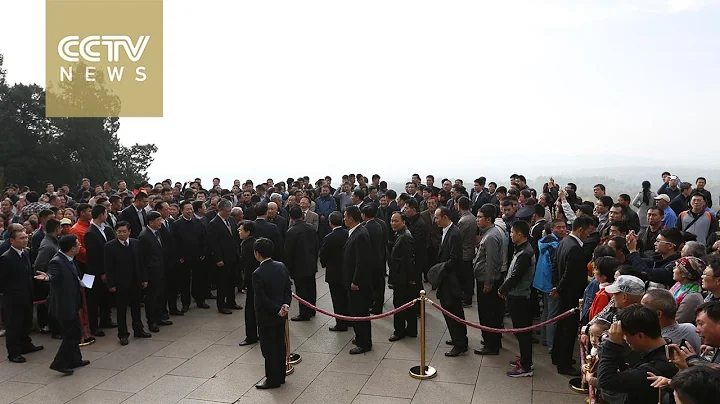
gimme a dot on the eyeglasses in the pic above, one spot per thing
(663, 241)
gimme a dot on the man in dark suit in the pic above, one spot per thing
(224, 247)
(126, 278)
(419, 230)
(172, 288)
(135, 214)
(300, 258)
(392, 207)
(39, 234)
(273, 295)
(275, 218)
(404, 277)
(268, 230)
(357, 276)
(479, 195)
(248, 265)
(153, 259)
(16, 285)
(65, 302)
(96, 236)
(377, 257)
(331, 254)
(570, 282)
(449, 291)
(191, 244)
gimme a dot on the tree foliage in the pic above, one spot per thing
(35, 149)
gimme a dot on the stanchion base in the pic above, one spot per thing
(429, 373)
(289, 370)
(575, 385)
(87, 342)
(294, 359)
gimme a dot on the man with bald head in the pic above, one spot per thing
(277, 198)
(273, 216)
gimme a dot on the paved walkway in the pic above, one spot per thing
(198, 361)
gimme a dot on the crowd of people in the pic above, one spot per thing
(646, 268)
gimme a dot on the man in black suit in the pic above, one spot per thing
(153, 259)
(357, 276)
(268, 230)
(274, 217)
(224, 247)
(135, 214)
(377, 256)
(331, 255)
(96, 236)
(16, 285)
(449, 291)
(65, 302)
(172, 288)
(570, 282)
(248, 265)
(273, 295)
(479, 195)
(39, 234)
(392, 207)
(419, 230)
(300, 258)
(126, 278)
(191, 244)
(404, 277)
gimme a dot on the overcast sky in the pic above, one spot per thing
(285, 88)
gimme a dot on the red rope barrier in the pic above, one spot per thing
(349, 318)
(39, 302)
(502, 330)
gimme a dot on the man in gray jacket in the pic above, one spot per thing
(516, 290)
(488, 270)
(48, 249)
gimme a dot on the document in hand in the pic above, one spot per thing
(87, 281)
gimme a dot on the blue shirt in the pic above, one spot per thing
(670, 217)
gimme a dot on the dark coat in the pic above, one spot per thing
(271, 286)
(95, 249)
(301, 250)
(223, 243)
(16, 278)
(450, 253)
(64, 299)
(123, 265)
(153, 257)
(264, 228)
(571, 267)
(247, 260)
(331, 255)
(190, 239)
(377, 245)
(402, 260)
(130, 215)
(356, 259)
(419, 230)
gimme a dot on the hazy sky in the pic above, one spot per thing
(285, 88)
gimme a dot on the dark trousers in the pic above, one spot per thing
(458, 331)
(98, 306)
(225, 277)
(359, 304)
(124, 297)
(432, 258)
(154, 300)
(405, 322)
(182, 280)
(565, 334)
(378, 288)
(339, 297)
(323, 230)
(467, 280)
(200, 281)
(272, 345)
(17, 320)
(68, 355)
(305, 288)
(521, 312)
(171, 289)
(491, 310)
(251, 328)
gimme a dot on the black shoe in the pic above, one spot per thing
(235, 307)
(203, 305)
(165, 316)
(224, 311)
(466, 305)
(153, 328)
(359, 350)
(33, 348)
(17, 359)
(486, 352)
(246, 342)
(455, 352)
(143, 334)
(449, 342)
(123, 341)
(64, 371)
(535, 340)
(82, 363)
(395, 337)
(353, 341)
(165, 322)
(300, 318)
(108, 324)
(176, 313)
(98, 333)
(264, 385)
(376, 311)
(338, 329)
(185, 309)
(568, 370)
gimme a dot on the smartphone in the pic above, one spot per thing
(682, 343)
(669, 353)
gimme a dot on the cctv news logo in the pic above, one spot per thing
(100, 49)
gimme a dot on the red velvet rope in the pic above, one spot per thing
(349, 318)
(40, 302)
(502, 330)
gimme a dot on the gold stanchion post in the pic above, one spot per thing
(289, 369)
(577, 384)
(422, 372)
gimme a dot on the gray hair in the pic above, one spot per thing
(224, 204)
(235, 210)
(694, 249)
(662, 300)
(275, 196)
